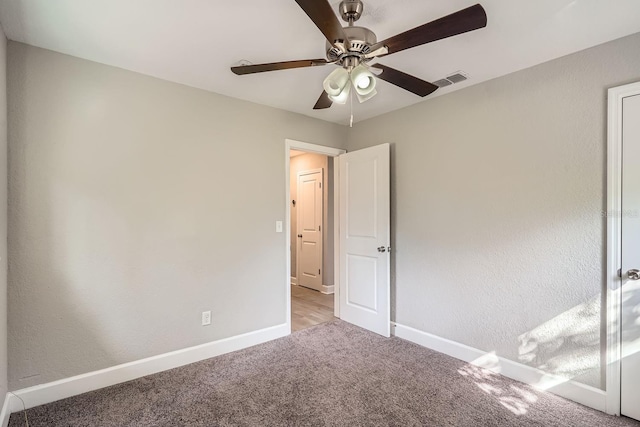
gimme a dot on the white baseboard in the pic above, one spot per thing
(61, 389)
(583, 394)
(294, 281)
(327, 289)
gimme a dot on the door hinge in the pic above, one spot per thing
(620, 273)
(318, 271)
(319, 185)
(319, 228)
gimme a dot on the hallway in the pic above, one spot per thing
(309, 308)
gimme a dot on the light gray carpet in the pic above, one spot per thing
(333, 374)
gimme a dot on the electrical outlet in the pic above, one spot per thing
(206, 318)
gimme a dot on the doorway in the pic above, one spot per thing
(312, 249)
(361, 234)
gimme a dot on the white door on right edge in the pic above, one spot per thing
(630, 364)
(365, 239)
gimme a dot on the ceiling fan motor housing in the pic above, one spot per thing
(361, 40)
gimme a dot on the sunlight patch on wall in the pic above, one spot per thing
(567, 346)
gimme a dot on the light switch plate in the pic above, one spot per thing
(278, 226)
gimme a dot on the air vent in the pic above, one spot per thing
(442, 83)
(457, 77)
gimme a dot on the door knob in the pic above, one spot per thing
(300, 236)
(383, 249)
(633, 274)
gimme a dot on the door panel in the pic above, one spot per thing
(362, 269)
(630, 364)
(365, 213)
(361, 180)
(310, 208)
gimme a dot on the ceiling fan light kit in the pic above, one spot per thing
(367, 96)
(352, 48)
(338, 84)
(343, 96)
(335, 83)
(363, 80)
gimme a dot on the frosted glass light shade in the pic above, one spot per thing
(335, 82)
(342, 97)
(369, 95)
(364, 82)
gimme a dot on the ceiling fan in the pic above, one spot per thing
(353, 47)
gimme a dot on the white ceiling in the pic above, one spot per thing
(194, 42)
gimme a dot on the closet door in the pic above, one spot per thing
(630, 363)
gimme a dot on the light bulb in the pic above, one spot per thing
(363, 81)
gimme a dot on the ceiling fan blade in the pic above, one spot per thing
(274, 66)
(465, 20)
(323, 102)
(405, 81)
(322, 15)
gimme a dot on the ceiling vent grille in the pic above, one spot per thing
(456, 77)
(442, 83)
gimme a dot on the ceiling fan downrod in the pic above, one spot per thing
(351, 10)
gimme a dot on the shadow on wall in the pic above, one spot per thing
(47, 317)
(46, 300)
(567, 345)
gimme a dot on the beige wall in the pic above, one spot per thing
(135, 204)
(128, 213)
(497, 199)
(3, 215)
(301, 163)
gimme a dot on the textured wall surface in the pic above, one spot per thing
(134, 205)
(129, 215)
(3, 215)
(301, 163)
(497, 199)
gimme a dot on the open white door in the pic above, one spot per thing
(630, 333)
(365, 238)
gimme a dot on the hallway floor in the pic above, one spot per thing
(309, 308)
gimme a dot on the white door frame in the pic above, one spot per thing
(290, 144)
(614, 238)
